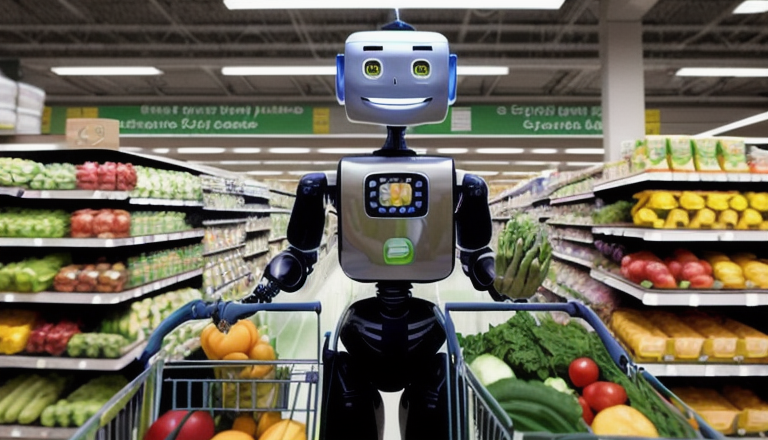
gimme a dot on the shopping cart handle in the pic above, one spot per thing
(197, 309)
(231, 312)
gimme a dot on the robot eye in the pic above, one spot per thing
(372, 68)
(420, 69)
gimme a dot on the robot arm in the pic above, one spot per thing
(473, 234)
(288, 271)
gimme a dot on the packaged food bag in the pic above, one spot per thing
(680, 155)
(758, 160)
(650, 154)
(705, 154)
(732, 154)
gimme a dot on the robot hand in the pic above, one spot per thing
(479, 266)
(286, 272)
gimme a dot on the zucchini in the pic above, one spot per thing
(25, 397)
(513, 390)
(9, 400)
(535, 413)
(12, 385)
(43, 399)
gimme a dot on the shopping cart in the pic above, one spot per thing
(212, 386)
(477, 415)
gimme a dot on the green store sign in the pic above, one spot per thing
(520, 120)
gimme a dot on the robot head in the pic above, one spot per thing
(396, 78)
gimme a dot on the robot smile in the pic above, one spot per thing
(397, 103)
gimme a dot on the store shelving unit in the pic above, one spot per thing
(99, 242)
(35, 432)
(572, 259)
(706, 370)
(571, 199)
(681, 235)
(65, 363)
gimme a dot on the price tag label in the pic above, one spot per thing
(727, 236)
(752, 299)
(9, 297)
(40, 364)
(16, 433)
(694, 300)
(671, 370)
(37, 242)
(709, 371)
(82, 365)
(653, 236)
(109, 242)
(744, 371)
(96, 299)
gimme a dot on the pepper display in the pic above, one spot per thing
(15, 328)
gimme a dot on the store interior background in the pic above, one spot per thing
(553, 58)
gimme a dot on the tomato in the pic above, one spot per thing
(583, 371)
(199, 426)
(602, 395)
(586, 411)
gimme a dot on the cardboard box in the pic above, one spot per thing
(93, 133)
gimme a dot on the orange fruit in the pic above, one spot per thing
(245, 423)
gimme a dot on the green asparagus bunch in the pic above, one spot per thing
(523, 256)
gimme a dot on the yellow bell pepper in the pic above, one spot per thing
(677, 218)
(704, 218)
(662, 200)
(647, 218)
(729, 218)
(692, 201)
(15, 328)
(642, 200)
(757, 273)
(730, 274)
(738, 203)
(718, 201)
(758, 201)
(750, 219)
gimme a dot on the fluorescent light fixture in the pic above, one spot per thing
(452, 150)
(278, 70)
(530, 162)
(544, 151)
(131, 149)
(483, 162)
(582, 164)
(161, 150)
(239, 162)
(287, 162)
(289, 150)
(483, 173)
(264, 173)
(106, 71)
(201, 150)
(500, 150)
(741, 72)
(30, 147)
(518, 173)
(392, 4)
(735, 125)
(246, 150)
(584, 151)
(482, 70)
(752, 7)
(346, 150)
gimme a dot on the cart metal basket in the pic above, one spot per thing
(477, 415)
(216, 387)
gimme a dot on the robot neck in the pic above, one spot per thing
(395, 145)
(393, 294)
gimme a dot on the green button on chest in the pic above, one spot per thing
(398, 251)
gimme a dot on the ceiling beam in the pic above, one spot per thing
(77, 12)
(575, 14)
(626, 10)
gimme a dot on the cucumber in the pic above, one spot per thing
(509, 275)
(12, 385)
(25, 397)
(43, 399)
(540, 414)
(513, 390)
(13, 397)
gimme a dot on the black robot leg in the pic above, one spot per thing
(424, 404)
(352, 408)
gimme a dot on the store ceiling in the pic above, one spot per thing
(553, 57)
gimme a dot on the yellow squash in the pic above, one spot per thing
(622, 420)
(703, 219)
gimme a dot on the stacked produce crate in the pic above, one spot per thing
(654, 243)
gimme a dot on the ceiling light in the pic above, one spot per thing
(392, 4)
(530, 162)
(483, 162)
(518, 173)
(346, 150)
(131, 149)
(278, 70)
(482, 70)
(161, 150)
(500, 150)
(106, 71)
(584, 151)
(287, 162)
(289, 150)
(738, 124)
(582, 164)
(264, 173)
(483, 173)
(201, 150)
(544, 151)
(742, 72)
(752, 7)
(452, 150)
(246, 150)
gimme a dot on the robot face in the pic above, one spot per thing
(396, 78)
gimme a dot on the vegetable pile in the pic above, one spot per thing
(701, 210)
(55, 176)
(619, 212)
(731, 409)
(575, 281)
(163, 184)
(101, 277)
(82, 403)
(18, 172)
(51, 338)
(33, 223)
(523, 257)
(31, 275)
(102, 223)
(109, 176)
(538, 352)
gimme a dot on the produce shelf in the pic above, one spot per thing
(280, 211)
(556, 289)
(572, 259)
(569, 225)
(65, 363)
(258, 252)
(231, 221)
(243, 209)
(680, 235)
(64, 194)
(278, 239)
(218, 251)
(681, 177)
(12, 191)
(96, 298)
(165, 202)
(253, 231)
(571, 199)
(574, 239)
(280, 191)
(656, 297)
(706, 370)
(100, 242)
(35, 432)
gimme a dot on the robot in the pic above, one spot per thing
(402, 217)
